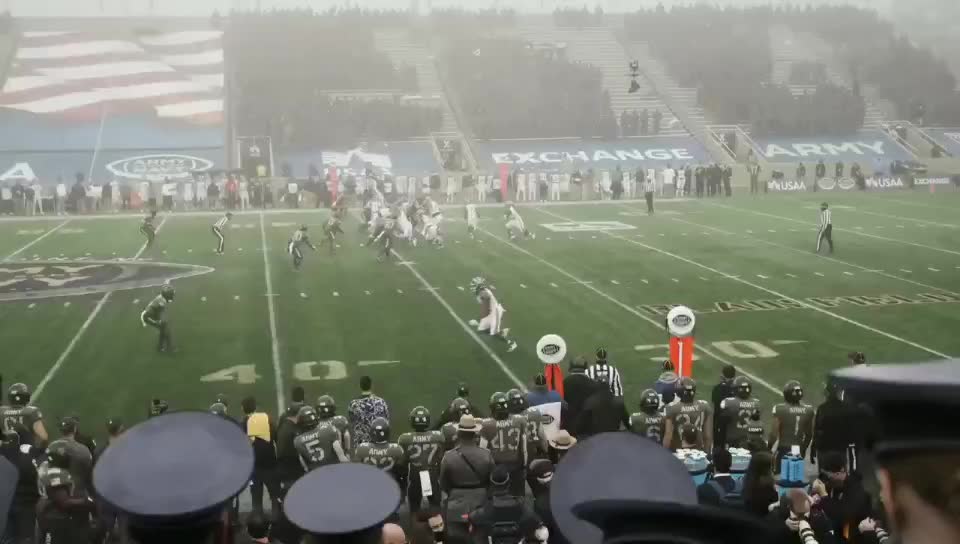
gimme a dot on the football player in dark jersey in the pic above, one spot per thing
(299, 239)
(148, 229)
(63, 515)
(327, 411)
(737, 410)
(648, 421)
(792, 423)
(423, 449)
(330, 231)
(317, 444)
(689, 411)
(381, 453)
(536, 437)
(153, 316)
(505, 435)
(459, 407)
(383, 238)
(20, 417)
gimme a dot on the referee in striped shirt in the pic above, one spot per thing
(825, 229)
(602, 371)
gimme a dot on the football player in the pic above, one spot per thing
(153, 315)
(459, 407)
(20, 417)
(648, 421)
(383, 237)
(472, 220)
(148, 229)
(736, 412)
(327, 410)
(423, 449)
(217, 229)
(493, 311)
(317, 444)
(63, 513)
(505, 435)
(792, 423)
(536, 437)
(689, 411)
(515, 224)
(381, 453)
(330, 231)
(340, 207)
(404, 226)
(299, 239)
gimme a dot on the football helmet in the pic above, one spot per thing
(307, 418)
(420, 418)
(792, 392)
(19, 394)
(303, 228)
(517, 400)
(649, 401)
(601, 354)
(380, 430)
(463, 390)
(477, 284)
(222, 399)
(218, 409)
(459, 407)
(742, 387)
(499, 405)
(167, 292)
(229, 215)
(57, 454)
(687, 390)
(326, 407)
(69, 425)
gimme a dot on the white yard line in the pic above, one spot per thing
(274, 343)
(902, 218)
(770, 291)
(857, 232)
(83, 328)
(35, 241)
(832, 259)
(626, 307)
(467, 329)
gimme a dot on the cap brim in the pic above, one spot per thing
(474, 429)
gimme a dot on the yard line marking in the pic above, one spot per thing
(553, 284)
(460, 287)
(626, 307)
(845, 273)
(834, 259)
(32, 305)
(366, 293)
(615, 282)
(375, 363)
(336, 294)
(923, 222)
(703, 278)
(136, 301)
(470, 332)
(237, 297)
(818, 274)
(35, 241)
(272, 313)
(399, 291)
(780, 217)
(66, 304)
(583, 282)
(83, 328)
(645, 281)
(789, 275)
(522, 286)
(203, 299)
(762, 277)
(932, 269)
(907, 271)
(772, 292)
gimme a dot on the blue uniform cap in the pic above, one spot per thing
(341, 499)
(175, 468)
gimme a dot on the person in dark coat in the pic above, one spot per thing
(842, 496)
(542, 472)
(721, 391)
(577, 387)
(794, 518)
(602, 412)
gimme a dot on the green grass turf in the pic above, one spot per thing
(345, 316)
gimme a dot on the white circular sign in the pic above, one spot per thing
(551, 349)
(681, 321)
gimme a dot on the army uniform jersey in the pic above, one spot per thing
(13, 418)
(147, 228)
(536, 438)
(736, 414)
(506, 439)
(342, 427)
(332, 228)
(315, 447)
(387, 456)
(647, 425)
(153, 314)
(422, 451)
(694, 413)
(795, 422)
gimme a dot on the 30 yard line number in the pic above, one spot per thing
(306, 371)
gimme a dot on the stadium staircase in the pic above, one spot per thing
(599, 47)
(401, 50)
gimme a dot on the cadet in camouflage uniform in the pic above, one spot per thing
(319, 443)
(505, 435)
(649, 421)
(689, 411)
(792, 423)
(383, 454)
(63, 516)
(327, 411)
(20, 417)
(459, 407)
(736, 412)
(423, 450)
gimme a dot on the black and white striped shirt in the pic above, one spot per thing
(612, 377)
(826, 218)
(222, 222)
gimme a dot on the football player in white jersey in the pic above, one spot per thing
(515, 225)
(472, 220)
(404, 226)
(492, 320)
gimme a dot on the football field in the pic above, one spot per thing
(603, 274)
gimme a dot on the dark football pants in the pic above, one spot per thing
(825, 233)
(649, 197)
(165, 339)
(149, 233)
(415, 492)
(297, 256)
(220, 241)
(265, 477)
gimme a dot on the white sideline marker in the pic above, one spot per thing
(615, 282)
(762, 277)
(32, 305)
(846, 273)
(523, 286)
(932, 269)
(336, 294)
(136, 301)
(460, 287)
(818, 274)
(278, 384)
(907, 271)
(399, 291)
(553, 284)
(790, 275)
(203, 299)
(675, 280)
(645, 281)
(303, 295)
(236, 297)
(366, 293)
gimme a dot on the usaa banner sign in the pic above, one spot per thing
(596, 154)
(867, 146)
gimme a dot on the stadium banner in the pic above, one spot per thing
(848, 184)
(566, 155)
(787, 186)
(413, 158)
(924, 182)
(866, 146)
(948, 138)
(130, 165)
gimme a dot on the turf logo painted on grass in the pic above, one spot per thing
(587, 226)
(45, 279)
(766, 305)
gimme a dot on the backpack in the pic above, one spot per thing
(732, 498)
(506, 513)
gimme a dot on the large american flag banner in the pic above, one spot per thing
(83, 75)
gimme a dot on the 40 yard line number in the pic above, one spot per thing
(307, 371)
